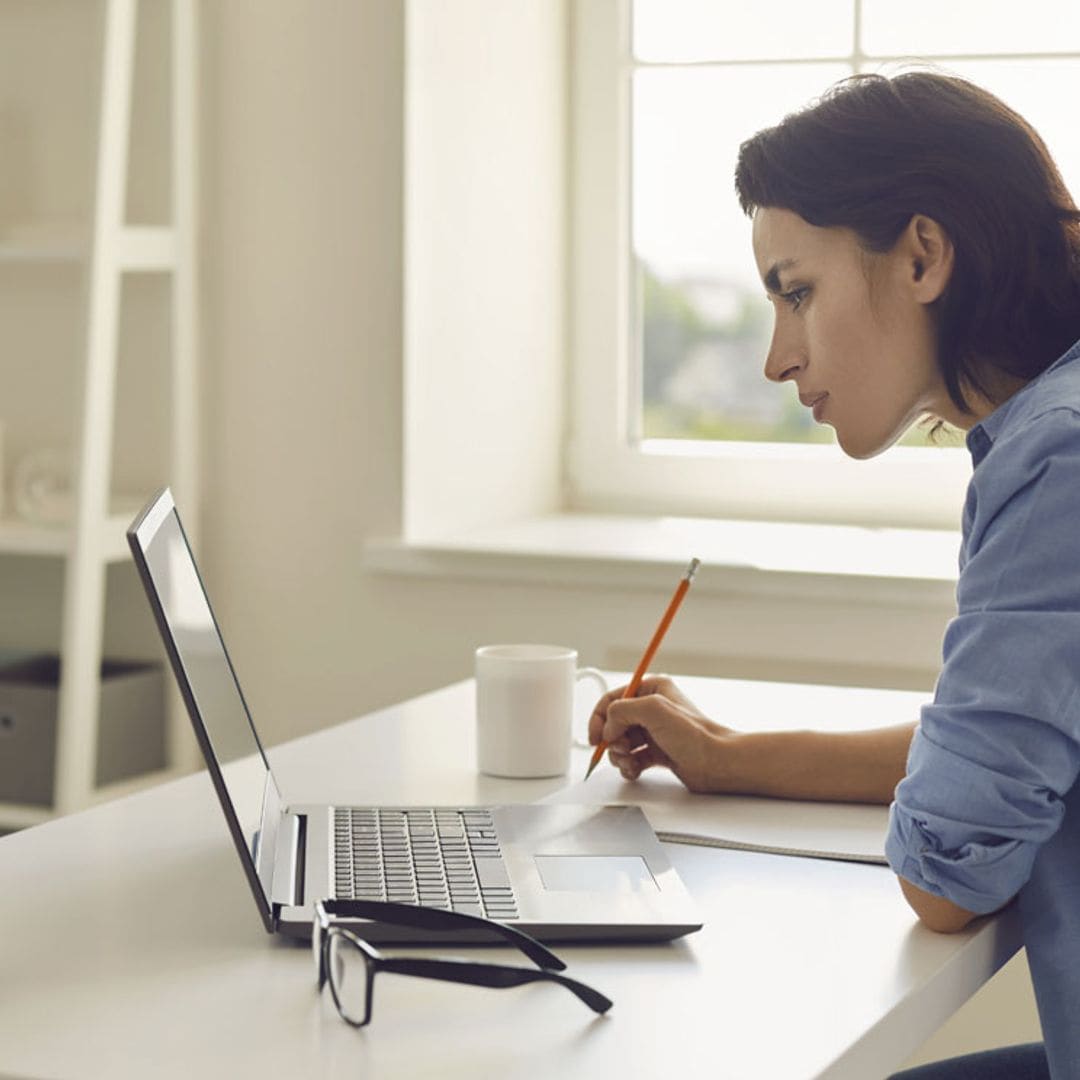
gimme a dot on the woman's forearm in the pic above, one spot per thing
(857, 766)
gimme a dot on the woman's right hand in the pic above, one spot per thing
(662, 726)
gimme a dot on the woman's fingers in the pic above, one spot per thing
(636, 720)
(633, 763)
(651, 686)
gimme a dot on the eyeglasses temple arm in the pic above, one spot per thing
(493, 975)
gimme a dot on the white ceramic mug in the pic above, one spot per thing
(525, 708)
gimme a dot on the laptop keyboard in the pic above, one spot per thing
(440, 858)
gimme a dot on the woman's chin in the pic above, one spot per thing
(863, 445)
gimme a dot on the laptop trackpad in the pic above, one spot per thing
(594, 873)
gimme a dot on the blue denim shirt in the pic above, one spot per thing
(990, 807)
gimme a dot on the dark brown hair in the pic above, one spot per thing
(874, 151)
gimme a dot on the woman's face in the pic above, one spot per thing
(853, 329)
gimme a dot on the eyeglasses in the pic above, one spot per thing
(350, 964)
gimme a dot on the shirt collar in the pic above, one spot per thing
(981, 437)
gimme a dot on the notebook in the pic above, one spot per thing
(561, 873)
(847, 832)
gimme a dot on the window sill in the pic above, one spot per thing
(904, 568)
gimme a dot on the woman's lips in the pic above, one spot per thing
(814, 402)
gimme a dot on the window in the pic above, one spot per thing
(671, 411)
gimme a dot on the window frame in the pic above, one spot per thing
(609, 467)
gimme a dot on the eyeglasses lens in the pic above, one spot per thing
(349, 978)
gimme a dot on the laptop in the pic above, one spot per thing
(558, 872)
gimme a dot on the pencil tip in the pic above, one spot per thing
(589, 770)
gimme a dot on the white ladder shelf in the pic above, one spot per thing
(95, 537)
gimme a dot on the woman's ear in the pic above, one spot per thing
(928, 255)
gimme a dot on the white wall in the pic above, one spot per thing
(303, 249)
(485, 259)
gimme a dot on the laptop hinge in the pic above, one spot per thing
(288, 886)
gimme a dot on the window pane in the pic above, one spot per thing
(930, 27)
(704, 322)
(694, 30)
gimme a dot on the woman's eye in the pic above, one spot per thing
(795, 297)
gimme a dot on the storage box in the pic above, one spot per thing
(131, 724)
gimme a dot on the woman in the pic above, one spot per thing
(922, 256)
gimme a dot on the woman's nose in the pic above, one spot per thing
(785, 360)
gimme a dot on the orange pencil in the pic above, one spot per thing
(650, 652)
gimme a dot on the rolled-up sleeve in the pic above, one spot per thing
(964, 831)
(999, 747)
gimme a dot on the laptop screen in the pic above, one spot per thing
(206, 675)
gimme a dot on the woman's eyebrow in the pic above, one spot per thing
(772, 278)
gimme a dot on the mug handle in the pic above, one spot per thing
(581, 735)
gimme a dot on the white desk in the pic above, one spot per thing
(131, 945)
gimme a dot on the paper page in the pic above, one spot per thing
(818, 829)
